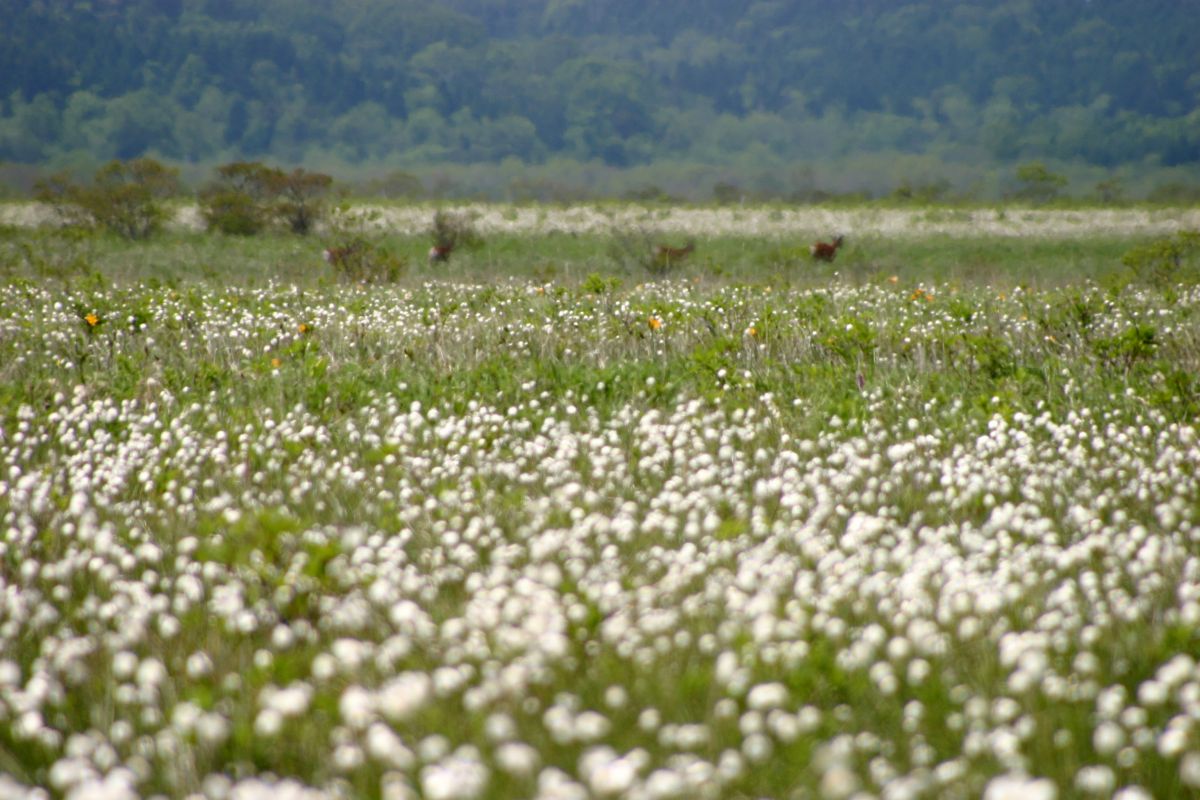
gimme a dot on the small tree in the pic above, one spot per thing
(302, 197)
(1038, 183)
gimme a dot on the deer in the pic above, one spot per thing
(440, 252)
(340, 256)
(825, 251)
(664, 254)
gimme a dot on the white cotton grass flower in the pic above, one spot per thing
(766, 696)
(663, 784)
(433, 748)
(554, 784)
(10, 788)
(347, 757)
(838, 782)
(1173, 741)
(757, 748)
(1015, 786)
(198, 665)
(212, 728)
(10, 673)
(517, 759)
(1189, 770)
(608, 774)
(120, 784)
(616, 696)
(499, 727)
(385, 746)
(268, 723)
(1096, 779)
(404, 695)
(71, 771)
(590, 726)
(289, 701)
(1108, 738)
(1132, 793)
(460, 776)
(124, 663)
(274, 789)
(357, 707)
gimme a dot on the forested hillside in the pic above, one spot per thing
(621, 82)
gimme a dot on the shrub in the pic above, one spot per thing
(360, 261)
(302, 195)
(248, 195)
(125, 197)
(452, 231)
(238, 201)
(1165, 261)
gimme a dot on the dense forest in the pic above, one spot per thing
(622, 83)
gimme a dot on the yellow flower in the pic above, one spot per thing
(752, 331)
(655, 323)
(276, 363)
(92, 320)
(304, 327)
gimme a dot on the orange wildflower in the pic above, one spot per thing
(655, 323)
(91, 319)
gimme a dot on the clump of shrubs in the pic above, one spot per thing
(246, 197)
(127, 198)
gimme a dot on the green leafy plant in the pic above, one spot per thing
(1136, 343)
(1165, 261)
(595, 283)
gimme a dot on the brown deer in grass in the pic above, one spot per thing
(441, 252)
(341, 256)
(825, 251)
(665, 255)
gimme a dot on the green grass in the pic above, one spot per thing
(591, 490)
(180, 257)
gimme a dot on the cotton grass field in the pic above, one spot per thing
(921, 523)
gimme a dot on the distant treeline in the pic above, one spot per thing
(620, 83)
